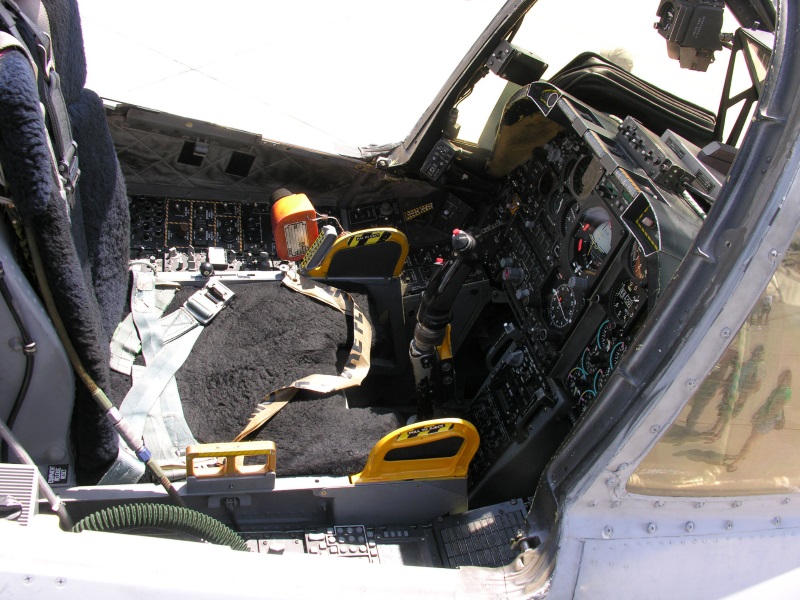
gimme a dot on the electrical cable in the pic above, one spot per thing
(111, 412)
(28, 349)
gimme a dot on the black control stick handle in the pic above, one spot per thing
(436, 308)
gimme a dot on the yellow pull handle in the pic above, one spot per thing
(235, 450)
(435, 449)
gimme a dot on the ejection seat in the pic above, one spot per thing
(267, 337)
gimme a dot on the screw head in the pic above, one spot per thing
(689, 526)
(608, 531)
(728, 525)
(651, 528)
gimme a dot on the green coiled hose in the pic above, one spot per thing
(163, 516)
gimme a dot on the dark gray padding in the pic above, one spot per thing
(85, 249)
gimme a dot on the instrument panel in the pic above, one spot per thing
(586, 245)
(558, 254)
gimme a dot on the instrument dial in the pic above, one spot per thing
(591, 242)
(557, 203)
(637, 263)
(576, 382)
(605, 336)
(569, 218)
(562, 307)
(626, 300)
(591, 360)
(616, 354)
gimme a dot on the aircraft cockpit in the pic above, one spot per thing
(388, 357)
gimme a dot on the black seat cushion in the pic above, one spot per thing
(266, 338)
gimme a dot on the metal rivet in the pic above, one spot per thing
(655, 429)
(776, 521)
(689, 526)
(728, 525)
(659, 503)
(726, 332)
(651, 528)
(690, 383)
(773, 254)
(608, 531)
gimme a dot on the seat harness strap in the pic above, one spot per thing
(152, 406)
(32, 16)
(353, 373)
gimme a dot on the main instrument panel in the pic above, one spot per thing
(586, 243)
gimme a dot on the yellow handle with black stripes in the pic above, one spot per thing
(435, 449)
(379, 249)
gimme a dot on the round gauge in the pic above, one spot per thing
(546, 182)
(637, 263)
(589, 361)
(600, 379)
(570, 218)
(626, 299)
(585, 176)
(562, 307)
(576, 382)
(616, 354)
(605, 336)
(557, 203)
(591, 242)
(585, 398)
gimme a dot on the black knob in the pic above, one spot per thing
(206, 269)
(513, 275)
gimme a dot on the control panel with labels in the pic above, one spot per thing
(580, 238)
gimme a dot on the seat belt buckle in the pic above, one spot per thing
(68, 168)
(206, 304)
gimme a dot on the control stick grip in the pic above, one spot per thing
(435, 309)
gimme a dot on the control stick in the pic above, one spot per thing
(430, 352)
